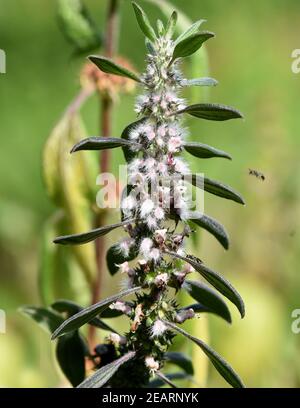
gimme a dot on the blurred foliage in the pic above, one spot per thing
(254, 74)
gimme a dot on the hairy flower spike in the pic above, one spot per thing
(155, 207)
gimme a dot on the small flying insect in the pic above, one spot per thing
(257, 174)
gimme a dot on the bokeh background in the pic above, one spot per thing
(251, 58)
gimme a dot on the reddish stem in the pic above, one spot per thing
(106, 104)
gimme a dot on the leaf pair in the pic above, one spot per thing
(88, 314)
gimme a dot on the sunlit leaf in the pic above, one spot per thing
(190, 31)
(199, 82)
(191, 44)
(170, 28)
(144, 22)
(110, 67)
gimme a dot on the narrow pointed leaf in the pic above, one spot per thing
(216, 280)
(208, 298)
(170, 28)
(114, 258)
(100, 143)
(181, 360)
(204, 151)
(224, 369)
(199, 82)
(216, 188)
(84, 238)
(89, 313)
(70, 353)
(104, 374)
(47, 319)
(144, 22)
(191, 44)
(210, 225)
(165, 379)
(190, 31)
(157, 383)
(212, 111)
(110, 67)
(72, 308)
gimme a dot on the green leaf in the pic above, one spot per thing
(191, 44)
(70, 354)
(114, 257)
(71, 308)
(210, 225)
(216, 280)
(144, 22)
(208, 298)
(86, 237)
(199, 82)
(165, 379)
(160, 28)
(100, 143)
(129, 154)
(104, 374)
(190, 31)
(181, 360)
(78, 26)
(170, 28)
(110, 67)
(220, 364)
(89, 313)
(47, 319)
(204, 151)
(212, 111)
(215, 187)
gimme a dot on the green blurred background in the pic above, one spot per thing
(251, 58)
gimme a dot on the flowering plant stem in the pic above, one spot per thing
(158, 215)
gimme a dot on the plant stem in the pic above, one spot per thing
(106, 110)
